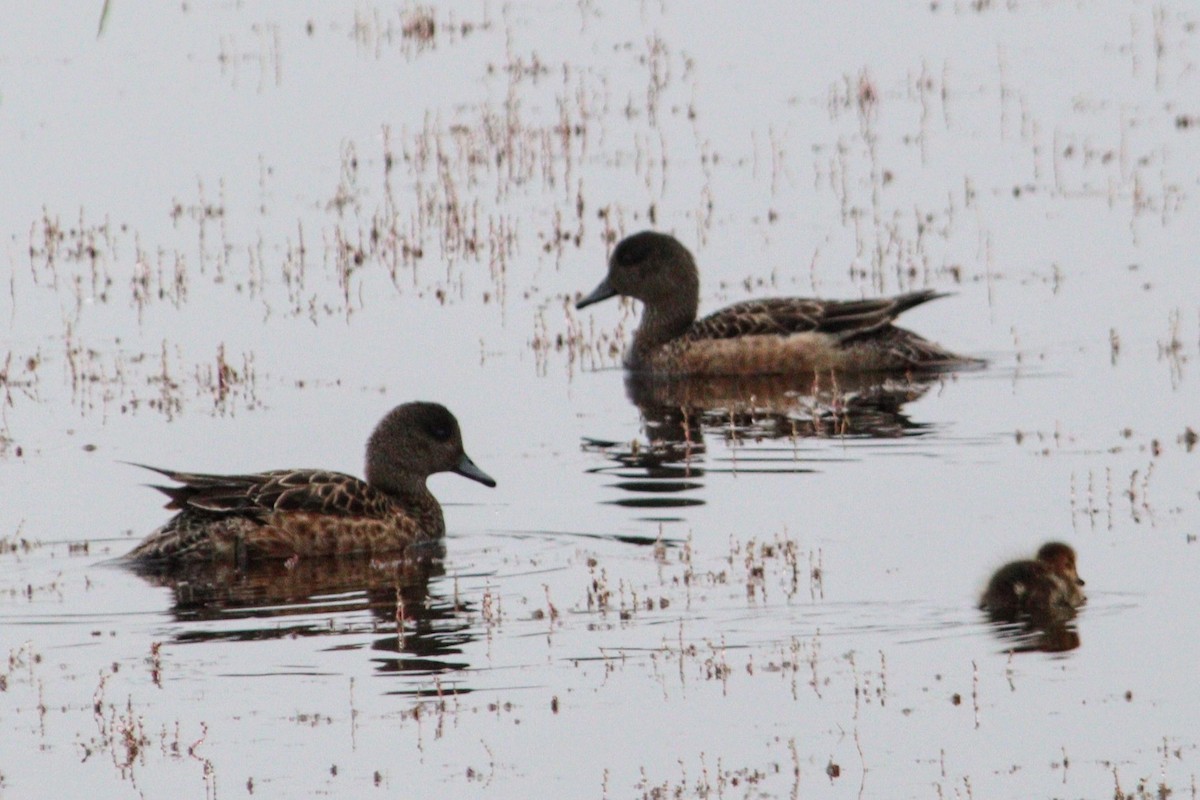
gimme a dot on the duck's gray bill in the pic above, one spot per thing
(601, 292)
(466, 467)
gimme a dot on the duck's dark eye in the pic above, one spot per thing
(441, 432)
(630, 252)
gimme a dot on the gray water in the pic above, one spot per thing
(237, 234)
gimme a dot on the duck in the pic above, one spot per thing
(785, 335)
(311, 513)
(1046, 587)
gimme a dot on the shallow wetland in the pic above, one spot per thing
(236, 234)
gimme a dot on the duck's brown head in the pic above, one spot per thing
(652, 267)
(414, 441)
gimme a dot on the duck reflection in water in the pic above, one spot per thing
(680, 413)
(274, 599)
(772, 368)
(1034, 602)
(297, 543)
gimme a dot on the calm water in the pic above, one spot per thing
(236, 235)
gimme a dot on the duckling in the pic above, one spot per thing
(1047, 586)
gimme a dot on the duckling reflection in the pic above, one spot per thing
(322, 597)
(681, 414)
(1033, 602)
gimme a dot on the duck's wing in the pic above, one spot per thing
(262, 493)
(787, 315)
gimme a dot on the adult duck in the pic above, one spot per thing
(756, 337)
(318, 513)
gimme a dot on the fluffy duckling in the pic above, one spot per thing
(1047, 586)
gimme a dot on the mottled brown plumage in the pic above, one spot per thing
(317, 513)
(769, 336)
(1046, 588)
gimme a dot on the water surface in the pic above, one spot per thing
(238, 235)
